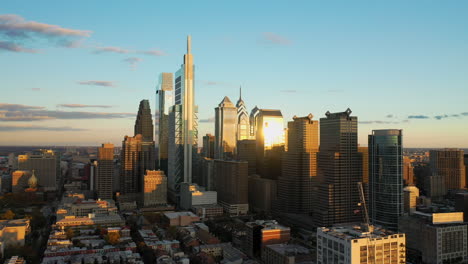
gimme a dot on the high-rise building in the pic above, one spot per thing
(243, 122)
(19, 180)
(262, 194)
(46, 164)
(144, 121)
(449, 164)
(339, 167)
(105, 171)
(262, 233)
(253, 122)
(183, 126)
(246, 151)
(269, 142)
(225, 129)
(408, 171)
(155, 188)
(164, 101)
(351, 245)
(297, 184)
(208, 146)
(232, 186)
(386, 177)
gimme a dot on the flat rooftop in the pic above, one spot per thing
(356, 232)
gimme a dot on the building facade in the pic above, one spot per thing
(386, 177)
(232, 186)
(262, 233)
(243, 121)
(105, 171)
(449, 164)
(164, 101)
(155, 188)
(19, 180)
(225, 129)
(46, 164)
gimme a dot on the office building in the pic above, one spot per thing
(339, 166)
(386, 177)
(19, 180)
(46, 164)
(436, 238)
(411, 195)
(13, 232)
(164, 101)
(193, 195)
(262, 193)
(208, 146)
(408, 171)
(144, 121)
(207, 174)
(130, 169)
(449, 164)
(155, 188)
(246, 151)
(461, 204)
(105, 171)
(262, 233)
(269, 142)
(243, 121)
(286, 254)
(297, 184)
(351, 244)
(225, 129)
(183, 127)
(232, 186)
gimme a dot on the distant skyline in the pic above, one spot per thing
(74, 73)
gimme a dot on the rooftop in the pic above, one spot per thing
(289, 249)
(355, 232)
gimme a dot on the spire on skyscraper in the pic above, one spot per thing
(189, 44)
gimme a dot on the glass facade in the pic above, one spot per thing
(386, 177)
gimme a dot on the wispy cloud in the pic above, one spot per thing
(418, 117)
(154, 52)
(273, 38)
(18, 107)
(389, 116)
(288, 91)
(83, 106)
(100, 50)
(133, 61)
(38, 128)
(98, 83)
(378, 122)
(17, 31)
(207, 120)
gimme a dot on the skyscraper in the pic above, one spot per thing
(183, 126)
(243, 123)
(46, 164)
(208, 146)
(386, 177)
(339, 167)
(298, 182)
(164, 101)
(449, 164)
(225, 129)
(144, 121)
(105, 171)
(232, 186)
(408, 171)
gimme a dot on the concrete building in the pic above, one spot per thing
(435, 187)
(208, 146)
(262, 193)
(225, 129)
(192, 195)
(449, 163)
(286, 254)
(46, 164)
(19, 180)
(262, 233)
(297, 184)
(180, 218)
(105, 171)
(408, 171)
(351, 244)
(437, 238)
(386, 177)
(155, 188)
(164, 101)
(339, 166)
(207, 174)
(411, 195)
(232, 186)
(13, 232)
(246, 151)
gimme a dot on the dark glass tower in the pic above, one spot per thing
(339, 168)
(144, 121)
(386, 177)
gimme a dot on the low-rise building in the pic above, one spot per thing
(285, 254)
(13, 232)
(194, 195)
(208, 211)
(180, 218)
(264, 232)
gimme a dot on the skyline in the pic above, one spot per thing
(389, 67)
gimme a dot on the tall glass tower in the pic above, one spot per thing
(386, 177)
(225, 129)
(164, 101)
(183, 123)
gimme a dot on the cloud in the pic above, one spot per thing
(17, 31)
(288, 91)
(153, 52)
(83, 106)
(18, 107)
(35, 89)
(439, 117)
(98, 83)
(464, 114)
(418, 117)
(207, 120)
(133, 61)
(37, 128)
(100, 50)
(389, 116)
(10, 46)
(377, 122)
(273, 38)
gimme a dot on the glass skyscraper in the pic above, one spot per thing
(164, 101)
(386, 177)
(225, 129)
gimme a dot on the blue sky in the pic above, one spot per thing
(396, 64)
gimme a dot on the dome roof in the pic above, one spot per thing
(32, 182)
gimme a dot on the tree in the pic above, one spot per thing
(113, 238)
(69, 233)
(8, 215)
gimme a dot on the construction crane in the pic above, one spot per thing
(369, 227)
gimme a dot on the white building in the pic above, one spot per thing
(351, 245)
(192, 195)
